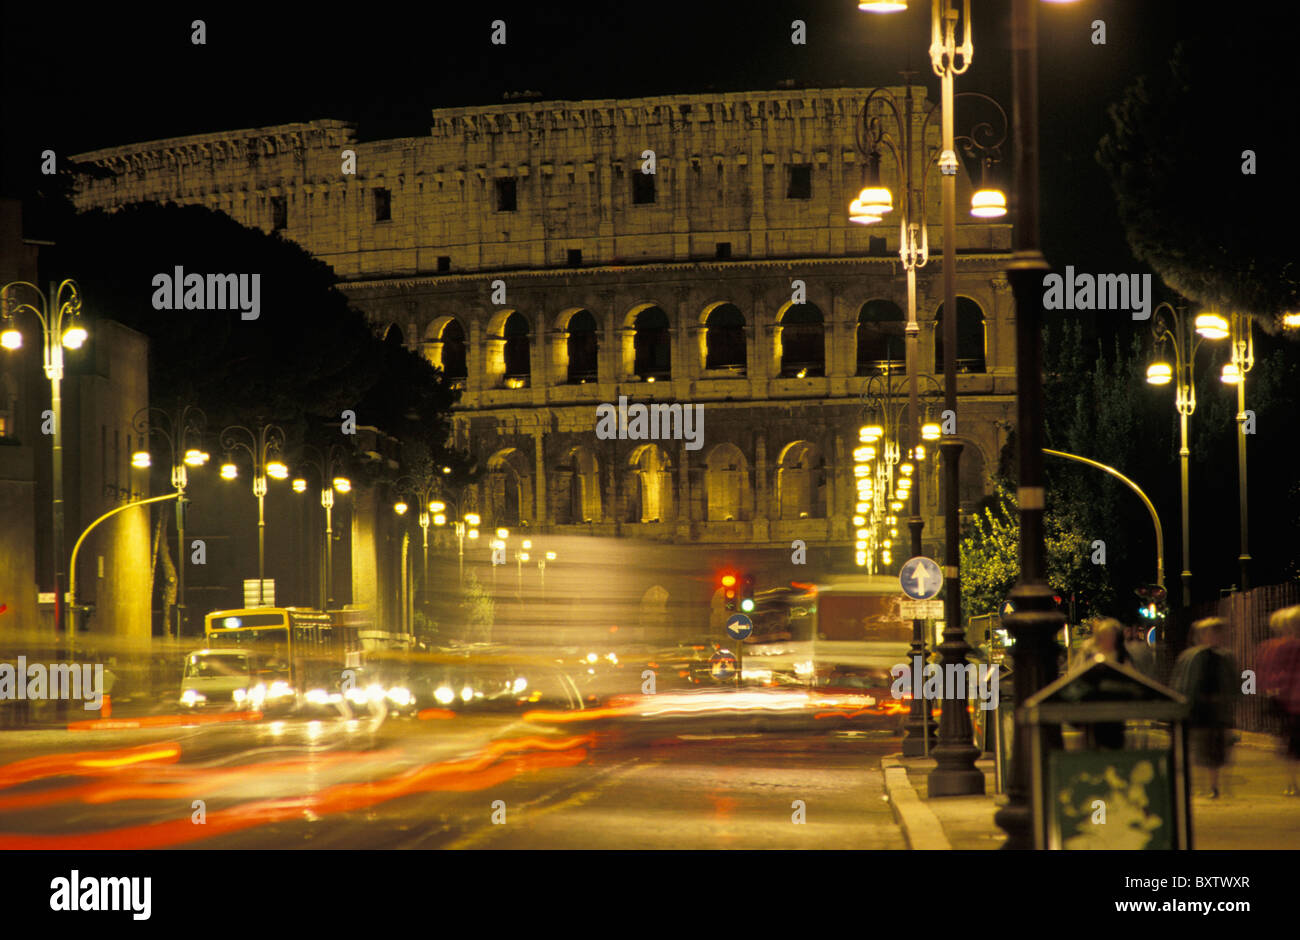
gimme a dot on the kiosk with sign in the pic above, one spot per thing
(1116, 796)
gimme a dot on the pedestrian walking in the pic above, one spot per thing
(1141, 656)
(1108, 642)
(1206, 674)
(1279, 674)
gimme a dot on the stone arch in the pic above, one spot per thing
(970, 336)
(801, 482)
(880, 337)
(647, 342)
(724, 338)
(509, 349)
(652, 614)
(727, 493)
(393, 335)
(509, 488)
(446, 347)
(575, 487)
(649, 485)
(801, 341)
(580, 334)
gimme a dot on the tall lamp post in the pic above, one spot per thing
(465, 526)
(955, 773)
(871, 205)
(1234, 373)
(263, 446)
(886, 477)
(1172, 326)
(176, 429)
(327, 463)
(59, 314)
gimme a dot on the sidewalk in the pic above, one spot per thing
(1252, 813)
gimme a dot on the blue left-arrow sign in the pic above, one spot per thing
(739, 626)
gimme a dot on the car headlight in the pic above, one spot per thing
(239, 695)
(400, 695)
(279, 689)
(358, 696)
(192, 697)
(444, 695)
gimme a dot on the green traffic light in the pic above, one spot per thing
(747, 604)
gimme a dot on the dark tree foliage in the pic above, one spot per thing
(1220, 237)
(307, 357)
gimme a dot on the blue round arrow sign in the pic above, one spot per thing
(722, 665)
(920, 578)
(739, 626)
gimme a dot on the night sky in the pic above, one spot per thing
(129, 73)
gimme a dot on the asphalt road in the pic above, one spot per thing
(478, 782)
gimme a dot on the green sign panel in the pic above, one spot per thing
(1111, 800)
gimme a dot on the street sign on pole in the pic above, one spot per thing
(739, 626)
(722, 665)
(920, 578)
(267, 595)
(921, 610)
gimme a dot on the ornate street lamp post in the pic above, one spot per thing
(1174, 327)
(328, 464)
(60, 318)
(176, 429)
(887, 478)
(1234, 373)
(263, 447)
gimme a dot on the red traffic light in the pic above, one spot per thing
(728, 580)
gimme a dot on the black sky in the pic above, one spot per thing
(129, 73)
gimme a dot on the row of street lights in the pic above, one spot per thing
(1172, 325)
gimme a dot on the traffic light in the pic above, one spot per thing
(747, 594)
(729, 590)
(1153, 605)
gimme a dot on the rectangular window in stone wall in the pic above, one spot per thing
(800, 183)
(643, 188)
(383, 205)
(575, 257)
(279, 213)
(506, 195)
(444, 263)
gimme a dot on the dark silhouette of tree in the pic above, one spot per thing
(1219, 236)
(307, 357)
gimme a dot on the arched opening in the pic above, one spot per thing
(649, 486)
(725, 339)
(453, 359)
(970, 337)
(801, 482)
(508, 488)
(881, 342)
(803, 344)
(653, 614)
(581, 341)
(576, 484)
(652, 345)
(393, 335)
(518, 362)
(727, 497)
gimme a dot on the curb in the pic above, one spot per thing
(921, 827)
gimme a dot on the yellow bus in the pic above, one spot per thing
(293, 650)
